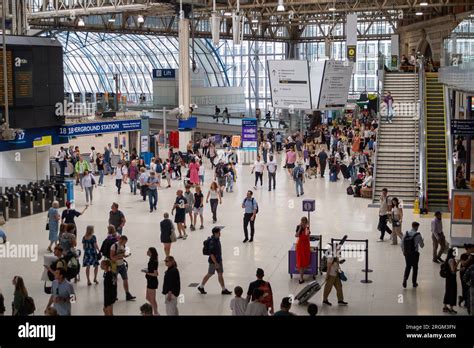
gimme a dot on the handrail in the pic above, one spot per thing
(379, 122)
(422, 182)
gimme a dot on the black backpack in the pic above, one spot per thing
(106, 246)
(409, 247)
(29, 306)
(206, 246)
(73, 266)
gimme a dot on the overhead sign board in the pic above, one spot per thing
(164, 73)
(462, 127)
(289, 83)
(335, 85)
(100, 127)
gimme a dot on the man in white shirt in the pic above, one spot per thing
(271, 168)
(61, 158)
(258, 169)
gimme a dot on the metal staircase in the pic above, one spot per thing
(437, 196)
(396, 163)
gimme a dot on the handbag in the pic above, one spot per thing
(173, 237)
(342, 276)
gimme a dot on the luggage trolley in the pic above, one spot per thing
(316, 250)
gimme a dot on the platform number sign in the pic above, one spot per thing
(309, 205)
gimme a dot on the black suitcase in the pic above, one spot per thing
(308, 291)
(345, 171)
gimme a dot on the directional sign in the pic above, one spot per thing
(309, 205)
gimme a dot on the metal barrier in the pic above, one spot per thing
(366, 269)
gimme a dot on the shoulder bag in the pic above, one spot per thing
(173, 237)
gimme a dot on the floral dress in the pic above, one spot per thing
(90, 252)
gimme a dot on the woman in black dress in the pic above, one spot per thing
(110, 287)
(151, 274)
(451, 290)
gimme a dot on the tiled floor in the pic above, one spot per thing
(336, 214)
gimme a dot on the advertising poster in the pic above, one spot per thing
(236, 140)
(249, 134)
(462, 208)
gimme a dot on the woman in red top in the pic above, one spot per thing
(303, 252)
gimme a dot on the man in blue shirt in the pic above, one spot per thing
(251, 207)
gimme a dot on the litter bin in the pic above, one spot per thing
(70, 189)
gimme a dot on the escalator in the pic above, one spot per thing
(436, 154)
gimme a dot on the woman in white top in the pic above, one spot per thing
(396, 217)
(258, 168)
(201, 172)
(215, 195)
(88, 182)
(333, 280)
(118, 173)
(125, 172)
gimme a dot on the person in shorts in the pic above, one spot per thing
(180, 206)
(215, 262)
(198, 206)
(190, 204)
(117, 255)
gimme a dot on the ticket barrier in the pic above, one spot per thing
(38, 198)
(49, 193)
(26, 200)
(14, 203)
(4, 204)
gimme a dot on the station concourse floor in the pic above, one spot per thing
(336, 214)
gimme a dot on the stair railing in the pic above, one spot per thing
(421, 158)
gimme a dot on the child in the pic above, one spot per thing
(201, 173)
(238, 305)
(110, 287)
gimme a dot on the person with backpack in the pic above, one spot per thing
(265, 287)
(251, 209)
(448, 271)
(212, 248)
(411, 244)
(62, 294)
(111, 239)
(438, 238)
(298, 177)
(117, 256)
(20, 295)
(220, 176)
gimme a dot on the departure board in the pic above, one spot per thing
(9, 79)
(23, 77)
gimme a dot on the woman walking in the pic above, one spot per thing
(151, 274)
(171, 286)
(451, 286)
(91, 250)
(201, 173)
(194, 172)
(215, 195)
(118, 177)
(88, 183)
(110, 287)
(396, 217)
(19, 296)
(53, 225)
(100, 167)
(198, 206)
(303, 252)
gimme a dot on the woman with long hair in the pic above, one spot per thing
(215, 195)
(303, 252)
(171, 286)
(19, 296)
(451, 286)
(396, 218)
(151, 274)
(91, 250)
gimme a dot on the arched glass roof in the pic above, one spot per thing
(92, 59)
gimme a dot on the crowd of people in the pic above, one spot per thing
(342, 150)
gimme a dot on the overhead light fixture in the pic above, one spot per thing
(111, 20)
(80, 23)
(280, 7)
(140, 19)
(423, 3)
(332, 9)
(227, 14)
(255, 20)
(419, 13)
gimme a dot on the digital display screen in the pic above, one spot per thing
(9, 79)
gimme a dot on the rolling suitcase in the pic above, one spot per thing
(308, 291)
(345, 171)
